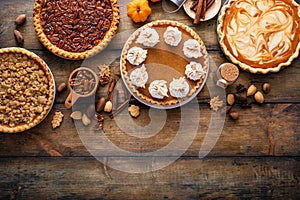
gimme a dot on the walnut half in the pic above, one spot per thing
(134, 110)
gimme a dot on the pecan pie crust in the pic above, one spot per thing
(76, 30)
(27, 90)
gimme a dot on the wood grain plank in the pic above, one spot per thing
(84, 178)
(247, 136)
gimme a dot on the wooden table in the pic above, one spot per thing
(256, 156)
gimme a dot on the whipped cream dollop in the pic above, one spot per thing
(148, 37)
(158, 89)
(192, 49)
(172, 36)
(136, 55)
(179, 88)
(139, 76)
(194, 71)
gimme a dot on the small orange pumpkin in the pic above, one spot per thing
(138, 10)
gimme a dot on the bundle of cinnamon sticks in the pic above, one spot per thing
(200, 7)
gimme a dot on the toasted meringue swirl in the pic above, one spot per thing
(262, 33)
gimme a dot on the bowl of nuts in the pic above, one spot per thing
(75, 30)
(27, 90)
(83, 82)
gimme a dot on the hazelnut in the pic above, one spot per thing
(259, 97)
(234, 115)
(230, 99)
(266, 87)
(251, 90)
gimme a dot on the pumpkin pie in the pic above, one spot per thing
(260, 35)
(27, 90)
(163, 80)
(75, 29)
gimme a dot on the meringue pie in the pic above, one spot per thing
(260, 35)
(160, 79)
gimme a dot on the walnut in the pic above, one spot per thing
(104, 74)
(57, 119)
(134, 110)
(216, 103)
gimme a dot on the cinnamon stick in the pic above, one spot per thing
(119, 109)
(203, 11)
(194, 5)
(209, 4)
(198, 12)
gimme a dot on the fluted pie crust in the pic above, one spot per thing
(164, 55)
(75, 55)
(33, 58)
(261, 36)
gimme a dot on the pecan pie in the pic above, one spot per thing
(76, 29)
(164, 64)
(260, 35)
(27, 90)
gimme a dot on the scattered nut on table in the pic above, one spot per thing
(251, 90)
(57, 119)
(85, 120)
(61, 87)
(134, 110)
(108, 106)
(76, 115)
(266, 87)
(259, 97)
(234, 115)
(230, 99)
(100, 104)
(19, 37)
(20, 19)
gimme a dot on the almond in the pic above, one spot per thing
(20, 19)
(100, 104)
(230, 99)
(251, 90)
(85, 120)
(259, 97)
(19, 37)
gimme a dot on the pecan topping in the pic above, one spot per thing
(76, 26)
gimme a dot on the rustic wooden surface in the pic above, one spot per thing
(248, 161)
